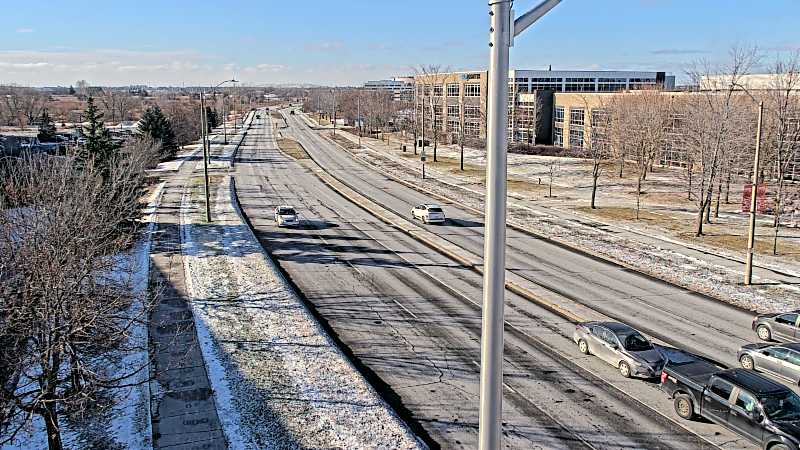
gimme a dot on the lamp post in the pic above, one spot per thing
(333, 92)
(751, 232)
(206, 146)
(358, 116)
(501, 36)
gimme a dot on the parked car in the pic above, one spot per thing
(428, 213)
(750, 404)
(286, 216)
(621, 346)
(782, 360)
(781, 327)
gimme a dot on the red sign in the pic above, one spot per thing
(761, 198)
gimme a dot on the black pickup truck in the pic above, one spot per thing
(763, 411)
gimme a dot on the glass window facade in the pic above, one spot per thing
(558, 114)
(472, 90)
(453, 90)
(576, 138)
(558, 137)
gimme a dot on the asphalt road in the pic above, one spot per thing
(669, 313)
(410, 317)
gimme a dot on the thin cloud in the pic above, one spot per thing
(325, 46)
(24, 30)
(679, 51)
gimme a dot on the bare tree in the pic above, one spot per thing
(432, 78)
(598, 145)
(638, 128)
(782, 130)
(553, 171)
(66, 306)
(716, 123)
(21, 106)
(117, 104)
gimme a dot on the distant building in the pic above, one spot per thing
(752, 82)
(460, 97)
(402, 88)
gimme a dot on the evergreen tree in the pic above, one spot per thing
(156, 126)
(47, 129)
(71, 90)
(99, 147)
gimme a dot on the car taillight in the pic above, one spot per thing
(663, 376)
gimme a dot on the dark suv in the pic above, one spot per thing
(761, 410)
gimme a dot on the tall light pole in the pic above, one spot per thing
(206, 145)
(751, 234)
(204, 134)
(501, 36)
(333, 92)
(358, 116)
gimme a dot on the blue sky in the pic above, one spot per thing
(350, 41)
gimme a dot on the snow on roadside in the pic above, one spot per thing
(279, 381)
(718, 281)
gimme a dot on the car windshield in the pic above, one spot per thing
(783, 406)
(435, 209)
(637, 343)
(286, 211)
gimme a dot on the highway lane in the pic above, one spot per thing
(410, 318)
(669, 313)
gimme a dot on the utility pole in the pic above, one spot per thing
(204, 135)
(224, 119)
(751, 234)
(461, 131)
(501, 35)
(333, 92)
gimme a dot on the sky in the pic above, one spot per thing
(347, 42)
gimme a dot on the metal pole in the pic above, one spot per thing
(751, 235)
(204, 133)
(334, 111)
(491, 389)
(358, 115)
(224, 117)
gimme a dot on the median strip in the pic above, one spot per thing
(452, 251)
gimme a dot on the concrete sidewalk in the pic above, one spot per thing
(239, 361)
(184, 413)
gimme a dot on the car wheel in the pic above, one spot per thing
(747, 362)
(625, 369)
(583, 347)
(764, 333)
(684, 407)
(424, 220)
(778, 447)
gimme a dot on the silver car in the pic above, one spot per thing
(621, 346)
(782, 360)
(783, 327)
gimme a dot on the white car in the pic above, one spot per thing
(286, 216)
(428, 213)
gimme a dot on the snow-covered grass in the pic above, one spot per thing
(279, 381)
(698, 274)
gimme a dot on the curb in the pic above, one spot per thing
(417, 233)
(289, 286)
(562, 244)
